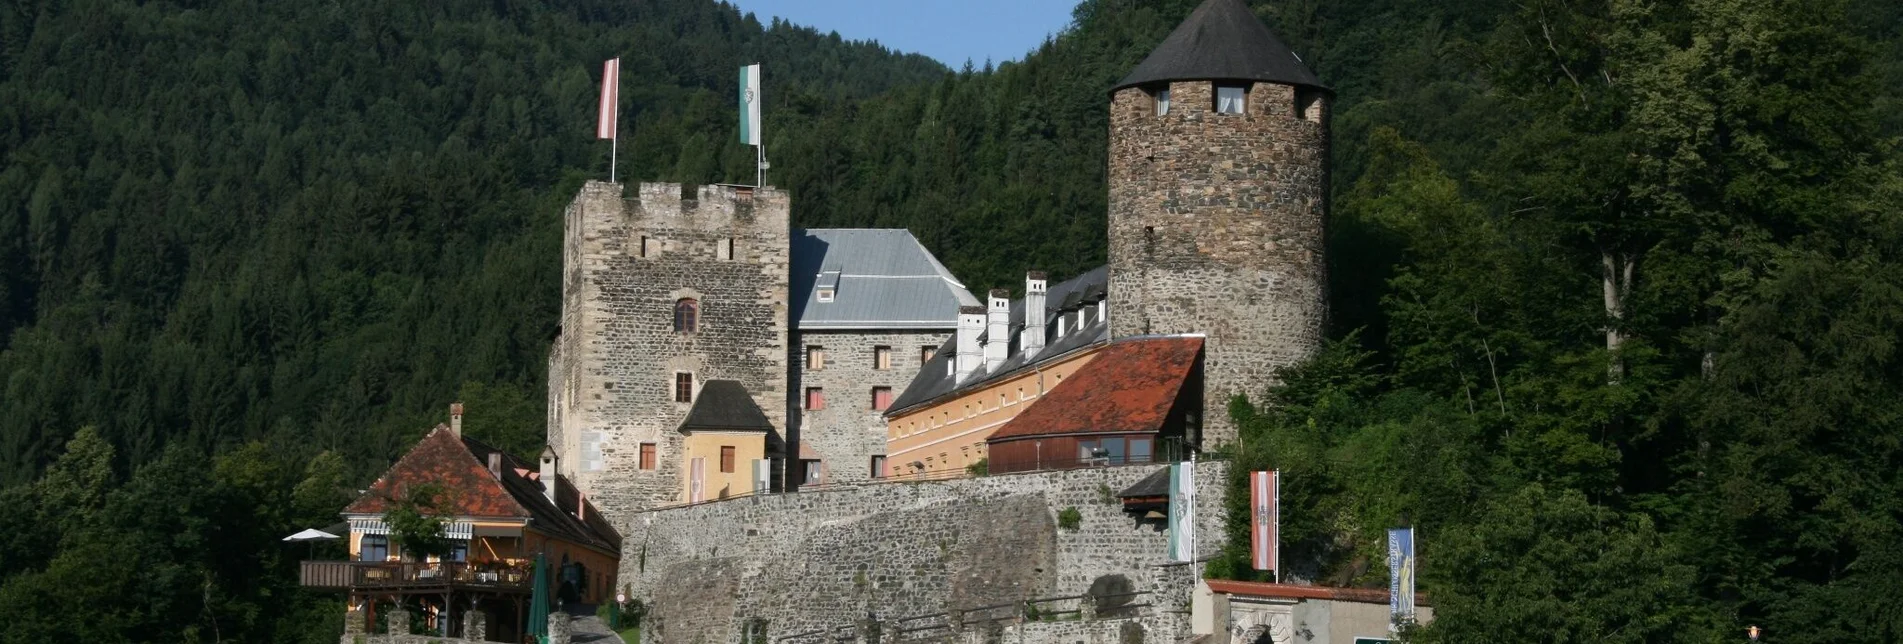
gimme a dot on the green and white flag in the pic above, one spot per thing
(750, 104)
(1182, 511)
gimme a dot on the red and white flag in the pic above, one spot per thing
(1265, 520)
(610, 99)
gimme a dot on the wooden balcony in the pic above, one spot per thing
(418, 577)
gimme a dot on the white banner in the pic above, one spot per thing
(1182, 512)
(750, 104)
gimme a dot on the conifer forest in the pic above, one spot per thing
(1616, 285)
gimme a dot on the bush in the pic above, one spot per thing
(1069, 518)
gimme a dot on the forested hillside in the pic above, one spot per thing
(1615, 282)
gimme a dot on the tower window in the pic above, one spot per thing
(1161, 96)
(1230, 98)
(815, 357)
(882, 358)
(686, 315)
(815, 398)
(723, 249)
(647, 456)
(881, 398)
(925, 354)
(683, 387)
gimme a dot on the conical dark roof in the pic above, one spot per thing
(1222, 40)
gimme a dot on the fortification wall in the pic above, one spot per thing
(835, 557)
(1216, 227)
(626, 263)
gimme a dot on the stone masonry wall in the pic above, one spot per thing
(849, 432)
(832, 557)
(1216, 227)
(611, 373)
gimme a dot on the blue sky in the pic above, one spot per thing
(948, 30)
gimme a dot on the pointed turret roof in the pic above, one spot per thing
(1222, 40)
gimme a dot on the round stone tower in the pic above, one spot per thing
(1218, 192)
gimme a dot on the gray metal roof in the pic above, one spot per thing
(1222, 40)
(883, 279)
(935, 379)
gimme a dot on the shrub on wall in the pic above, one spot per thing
(1069, 518)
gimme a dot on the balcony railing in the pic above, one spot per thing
(374, 574)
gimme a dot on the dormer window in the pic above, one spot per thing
(826, 288)
(1230, 98)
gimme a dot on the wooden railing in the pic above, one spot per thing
(372, 574)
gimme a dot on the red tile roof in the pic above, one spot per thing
(460, 465)
(1129, 387)
(442, 458)
(1290, 591)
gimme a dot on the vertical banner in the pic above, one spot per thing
(1265, 519)
(762, 475)
(1400, 577)
(696, 480)
(610, 107)
(750, 104)
(1182, 511)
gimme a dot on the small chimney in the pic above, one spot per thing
(548, 474)
(998, 335)
(456, 418)
(1033, 338)
(495, 465)
(971, 322)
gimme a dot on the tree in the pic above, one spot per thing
(418, 522)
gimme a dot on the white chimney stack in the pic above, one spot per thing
(998, 333)
(548, 475)
(456, 419)
(1033, 338)
(971, 322)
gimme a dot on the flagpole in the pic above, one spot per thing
(1277, 546)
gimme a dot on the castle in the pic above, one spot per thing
(709, 349)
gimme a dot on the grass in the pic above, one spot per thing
(631, 636)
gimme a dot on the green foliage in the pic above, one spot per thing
(418, 519)
(254, 249)
(1069, 518)
(980, 468)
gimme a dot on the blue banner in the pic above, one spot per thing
(1400, 577)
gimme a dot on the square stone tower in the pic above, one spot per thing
(1218, 185)
(661, 294)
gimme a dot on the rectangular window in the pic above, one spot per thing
(826, 295)
(815, 398)
(683, 387)
(925, 354)
(881, 398)
(1139, 450)
(458, 550)
(374, 547)
(1087, 451)
(1230, 99)
(723, 249)
(647, 456)
(815, 357)
(1113, 450)
(878, 467)
(726, 459)
(882, 358)
(1162, 96)
(812, 471)
(650, 247)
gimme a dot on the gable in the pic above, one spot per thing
(441, 458)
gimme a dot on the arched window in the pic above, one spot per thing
(686, 315)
